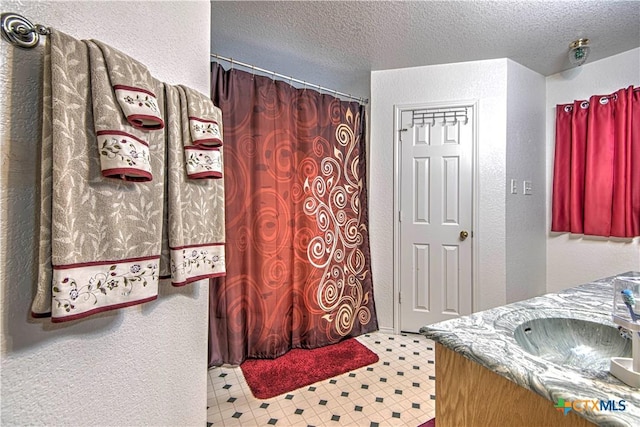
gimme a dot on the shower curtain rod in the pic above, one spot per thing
(289, 78)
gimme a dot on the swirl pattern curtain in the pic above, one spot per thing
(298, 262)
(596, 176)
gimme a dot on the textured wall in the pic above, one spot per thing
(145, 365)
(575, 259)
(485, 81)
(526, 242)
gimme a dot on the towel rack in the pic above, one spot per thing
(20, 32)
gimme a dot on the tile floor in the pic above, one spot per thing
(398, 390)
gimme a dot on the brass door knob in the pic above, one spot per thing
(464, 234)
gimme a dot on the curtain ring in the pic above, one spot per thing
(231, 60)
(584, 104)
(568, 108)
(604, 100)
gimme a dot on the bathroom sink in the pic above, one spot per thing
(574, 343)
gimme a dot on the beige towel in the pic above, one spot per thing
(205, 119)
(134, 88)
(41, 305)
(203, 122)
(99, 237)
(196, 207)
(124, 150)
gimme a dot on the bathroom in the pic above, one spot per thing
(147, 365)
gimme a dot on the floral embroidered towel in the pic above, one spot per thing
(123, 149)
(99, 238)
(203, 121)
(196, 207)
(134, 89)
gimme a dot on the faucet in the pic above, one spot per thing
(627, 369)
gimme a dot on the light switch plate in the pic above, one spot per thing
(514, 186)
(526, 188)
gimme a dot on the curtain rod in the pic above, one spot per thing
(291, 79)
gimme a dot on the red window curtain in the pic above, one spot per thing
(297, 244)
(596, 175)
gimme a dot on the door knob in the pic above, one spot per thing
(464, 234)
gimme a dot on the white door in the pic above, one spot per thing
(435, 219)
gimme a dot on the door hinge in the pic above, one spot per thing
(399, 297)
(399, 216)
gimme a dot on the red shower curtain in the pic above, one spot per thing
(298, 263)
(596, 176)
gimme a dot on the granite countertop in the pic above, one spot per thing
(487, 338)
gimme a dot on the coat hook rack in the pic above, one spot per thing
(451, 116)
(20, 32)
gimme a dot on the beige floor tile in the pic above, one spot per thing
(397, 353)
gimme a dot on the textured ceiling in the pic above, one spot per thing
(313, 40)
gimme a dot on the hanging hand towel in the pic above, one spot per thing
(203, 158)
(205, 119)
(134, 88)
(124, 151)
(196, 207)
(99, 238)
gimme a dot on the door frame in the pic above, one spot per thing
(398, 109)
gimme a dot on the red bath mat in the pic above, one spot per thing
(430, 423)
(300, 367)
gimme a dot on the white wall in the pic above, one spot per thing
(144, 365)
(485, 81)
(575, 259)
(525, 215)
